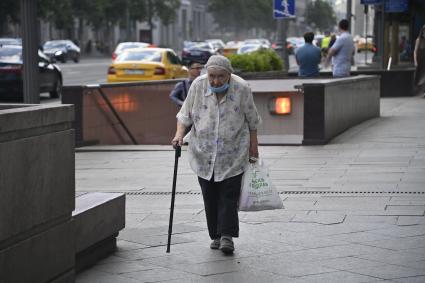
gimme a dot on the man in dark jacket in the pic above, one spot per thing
(179, 93)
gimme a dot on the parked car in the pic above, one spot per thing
(218, 44)
(146, 64)
(251, 47)
(128, 45)
(11, 66)
(10, 41)
(262, 41)
(293, 43)
(62, 50)
(198, 51)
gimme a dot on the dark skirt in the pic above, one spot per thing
(420, 72)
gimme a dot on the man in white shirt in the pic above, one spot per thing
(220, 107)
(342, 52)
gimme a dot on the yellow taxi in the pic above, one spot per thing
(146, 64)
(231, 47)
(365, 45)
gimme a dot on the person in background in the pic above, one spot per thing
(308, 57)
(220, 107)
(180, 91)
(324, 45)
(419, 60)
(342, 52)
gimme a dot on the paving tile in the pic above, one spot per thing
(393, 257)
(94, 276)
(317, 217)
(387, 271)
(338, 276)
(124, 267)
(416, 279)
(210, 268)
(410, 220)
(348, 262)
(400, 243)
(290, 268)
(360, 237)
(158, 274)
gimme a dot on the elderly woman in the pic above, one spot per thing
(224, 119)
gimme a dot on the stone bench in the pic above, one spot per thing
(98, 217)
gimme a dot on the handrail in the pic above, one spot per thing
(111, 107)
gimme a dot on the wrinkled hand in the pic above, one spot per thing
(177, 141)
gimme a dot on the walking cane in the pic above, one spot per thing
(173, 195)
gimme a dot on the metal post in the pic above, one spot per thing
(30, 73)
(281, 42)
(349, 15)
(366, 9)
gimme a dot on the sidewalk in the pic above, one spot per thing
(354, 210)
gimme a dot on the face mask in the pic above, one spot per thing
(219, 89)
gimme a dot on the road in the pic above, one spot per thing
(88, 71)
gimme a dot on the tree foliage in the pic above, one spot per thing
(98, 13)
(240, 15)
(321, 14)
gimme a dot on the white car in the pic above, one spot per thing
(128, 45)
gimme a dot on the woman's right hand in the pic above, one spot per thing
(177, 141)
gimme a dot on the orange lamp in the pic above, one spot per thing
(280, 106)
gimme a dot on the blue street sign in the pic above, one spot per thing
(396, 6)
(370, 2)
(284, 9)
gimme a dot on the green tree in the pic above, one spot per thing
(321, 14)
(239, 15)
(9, 11)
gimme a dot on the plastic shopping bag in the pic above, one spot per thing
(258, 192)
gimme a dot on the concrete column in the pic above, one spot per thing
(30, 52)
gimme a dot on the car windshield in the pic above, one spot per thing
(10, 55)
(52, 44)
(10, 41)
(248, 48)
(144, 55)
(124, 46)
(201, 46)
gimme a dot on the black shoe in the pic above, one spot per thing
(226, 245)
(215, 244)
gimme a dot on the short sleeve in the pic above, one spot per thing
(250, 110)
(338, 44)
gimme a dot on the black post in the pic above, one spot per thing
(173, 196)
(29, 32)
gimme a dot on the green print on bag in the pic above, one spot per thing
(257, 183)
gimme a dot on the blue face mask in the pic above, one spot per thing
(219, 89)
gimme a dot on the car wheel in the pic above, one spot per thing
(77, 58)
(57, 92)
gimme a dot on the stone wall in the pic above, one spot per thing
(37, 193)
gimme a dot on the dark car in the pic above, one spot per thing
(198, 51)
(62, 50)
(11, 68)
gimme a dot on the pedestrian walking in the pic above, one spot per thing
(224, 119)
(419, 60)
(308, 57)
(342, 52)
(179, 93)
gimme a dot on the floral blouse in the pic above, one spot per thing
(219, 138)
